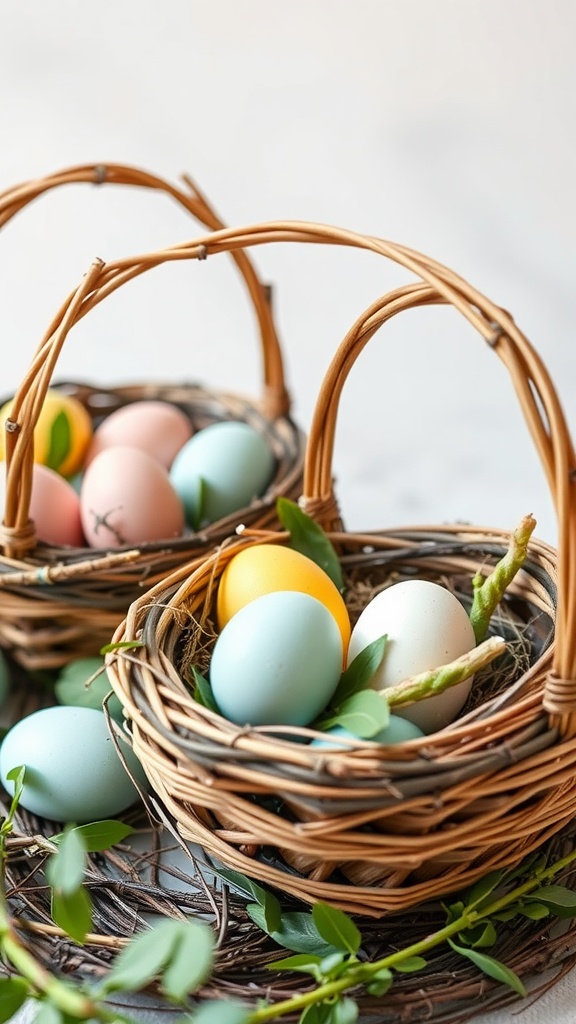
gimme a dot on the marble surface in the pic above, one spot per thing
(448, 127)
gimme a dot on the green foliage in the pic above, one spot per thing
(362, 711)
(217, 1011)
(363, 714)
(98, 835)
(202, 691)
(361, 670)
(180, 952)
(493, 968)
(60, 441)
(308, 537)
(13, 993)
(120, 645)
(336, 927)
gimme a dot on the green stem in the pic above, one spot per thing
(358, 975)
(488, 592)
(427, 684)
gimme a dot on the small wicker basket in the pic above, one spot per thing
(377, 830)
(41, 626)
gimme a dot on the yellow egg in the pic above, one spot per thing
(266, 568)
(61, 435)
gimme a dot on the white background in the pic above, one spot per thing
(449, 126)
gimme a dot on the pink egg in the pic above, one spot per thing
(54, 507)
(126, 498)
(157, 427)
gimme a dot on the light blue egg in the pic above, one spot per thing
(397, 731)
(73, 772)
(221, 469)
(277, 661)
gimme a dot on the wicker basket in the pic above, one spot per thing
(43, 626)
(377, 830)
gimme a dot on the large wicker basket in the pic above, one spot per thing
(44, 626)
(386, 828)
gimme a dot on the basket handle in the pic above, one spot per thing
(435, 284)
(275, 399)
(546, 421)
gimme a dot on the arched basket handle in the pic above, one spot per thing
(543, 413)
(275, 398)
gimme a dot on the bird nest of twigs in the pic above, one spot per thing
(154, 874)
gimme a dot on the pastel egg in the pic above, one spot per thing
(223, 468)
(264, 568)
(398, 730)
(277, 661)
(73, 771)
(427, 626)
(157, 427)
(126, 498)
(54, 507)
(62, 433)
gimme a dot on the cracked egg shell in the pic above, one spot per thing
(126, 498)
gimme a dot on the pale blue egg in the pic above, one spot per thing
(221, 469)
(277, 661)
(73, 772)
(397, 731)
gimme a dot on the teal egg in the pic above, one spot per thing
(398, 730)
(277, 661)
(221, 469)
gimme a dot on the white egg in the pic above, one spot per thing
(427, 626)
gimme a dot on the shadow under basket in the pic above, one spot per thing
(56, 603)
(377, 829)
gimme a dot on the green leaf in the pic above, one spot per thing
(72, 911)
(59, 442)
(534, 911)
(304, 963)
(13, 993)
(336, 927)
(343, 1011)
(481, 935)
(380, 982)
(98, 835)
(48, 1013)
(218, 1011)
(121, 645)
(296, 932)
(363, 714)
(360, 671)
(493, 968)
(559, 900)
(271, 912)
(333, 965)
(203, 691)
(482, 888)
(410, 965)
(65, 869)
(15, 775)
(308, 537)
(317, 1013)
(191, 960)
(142, 959)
